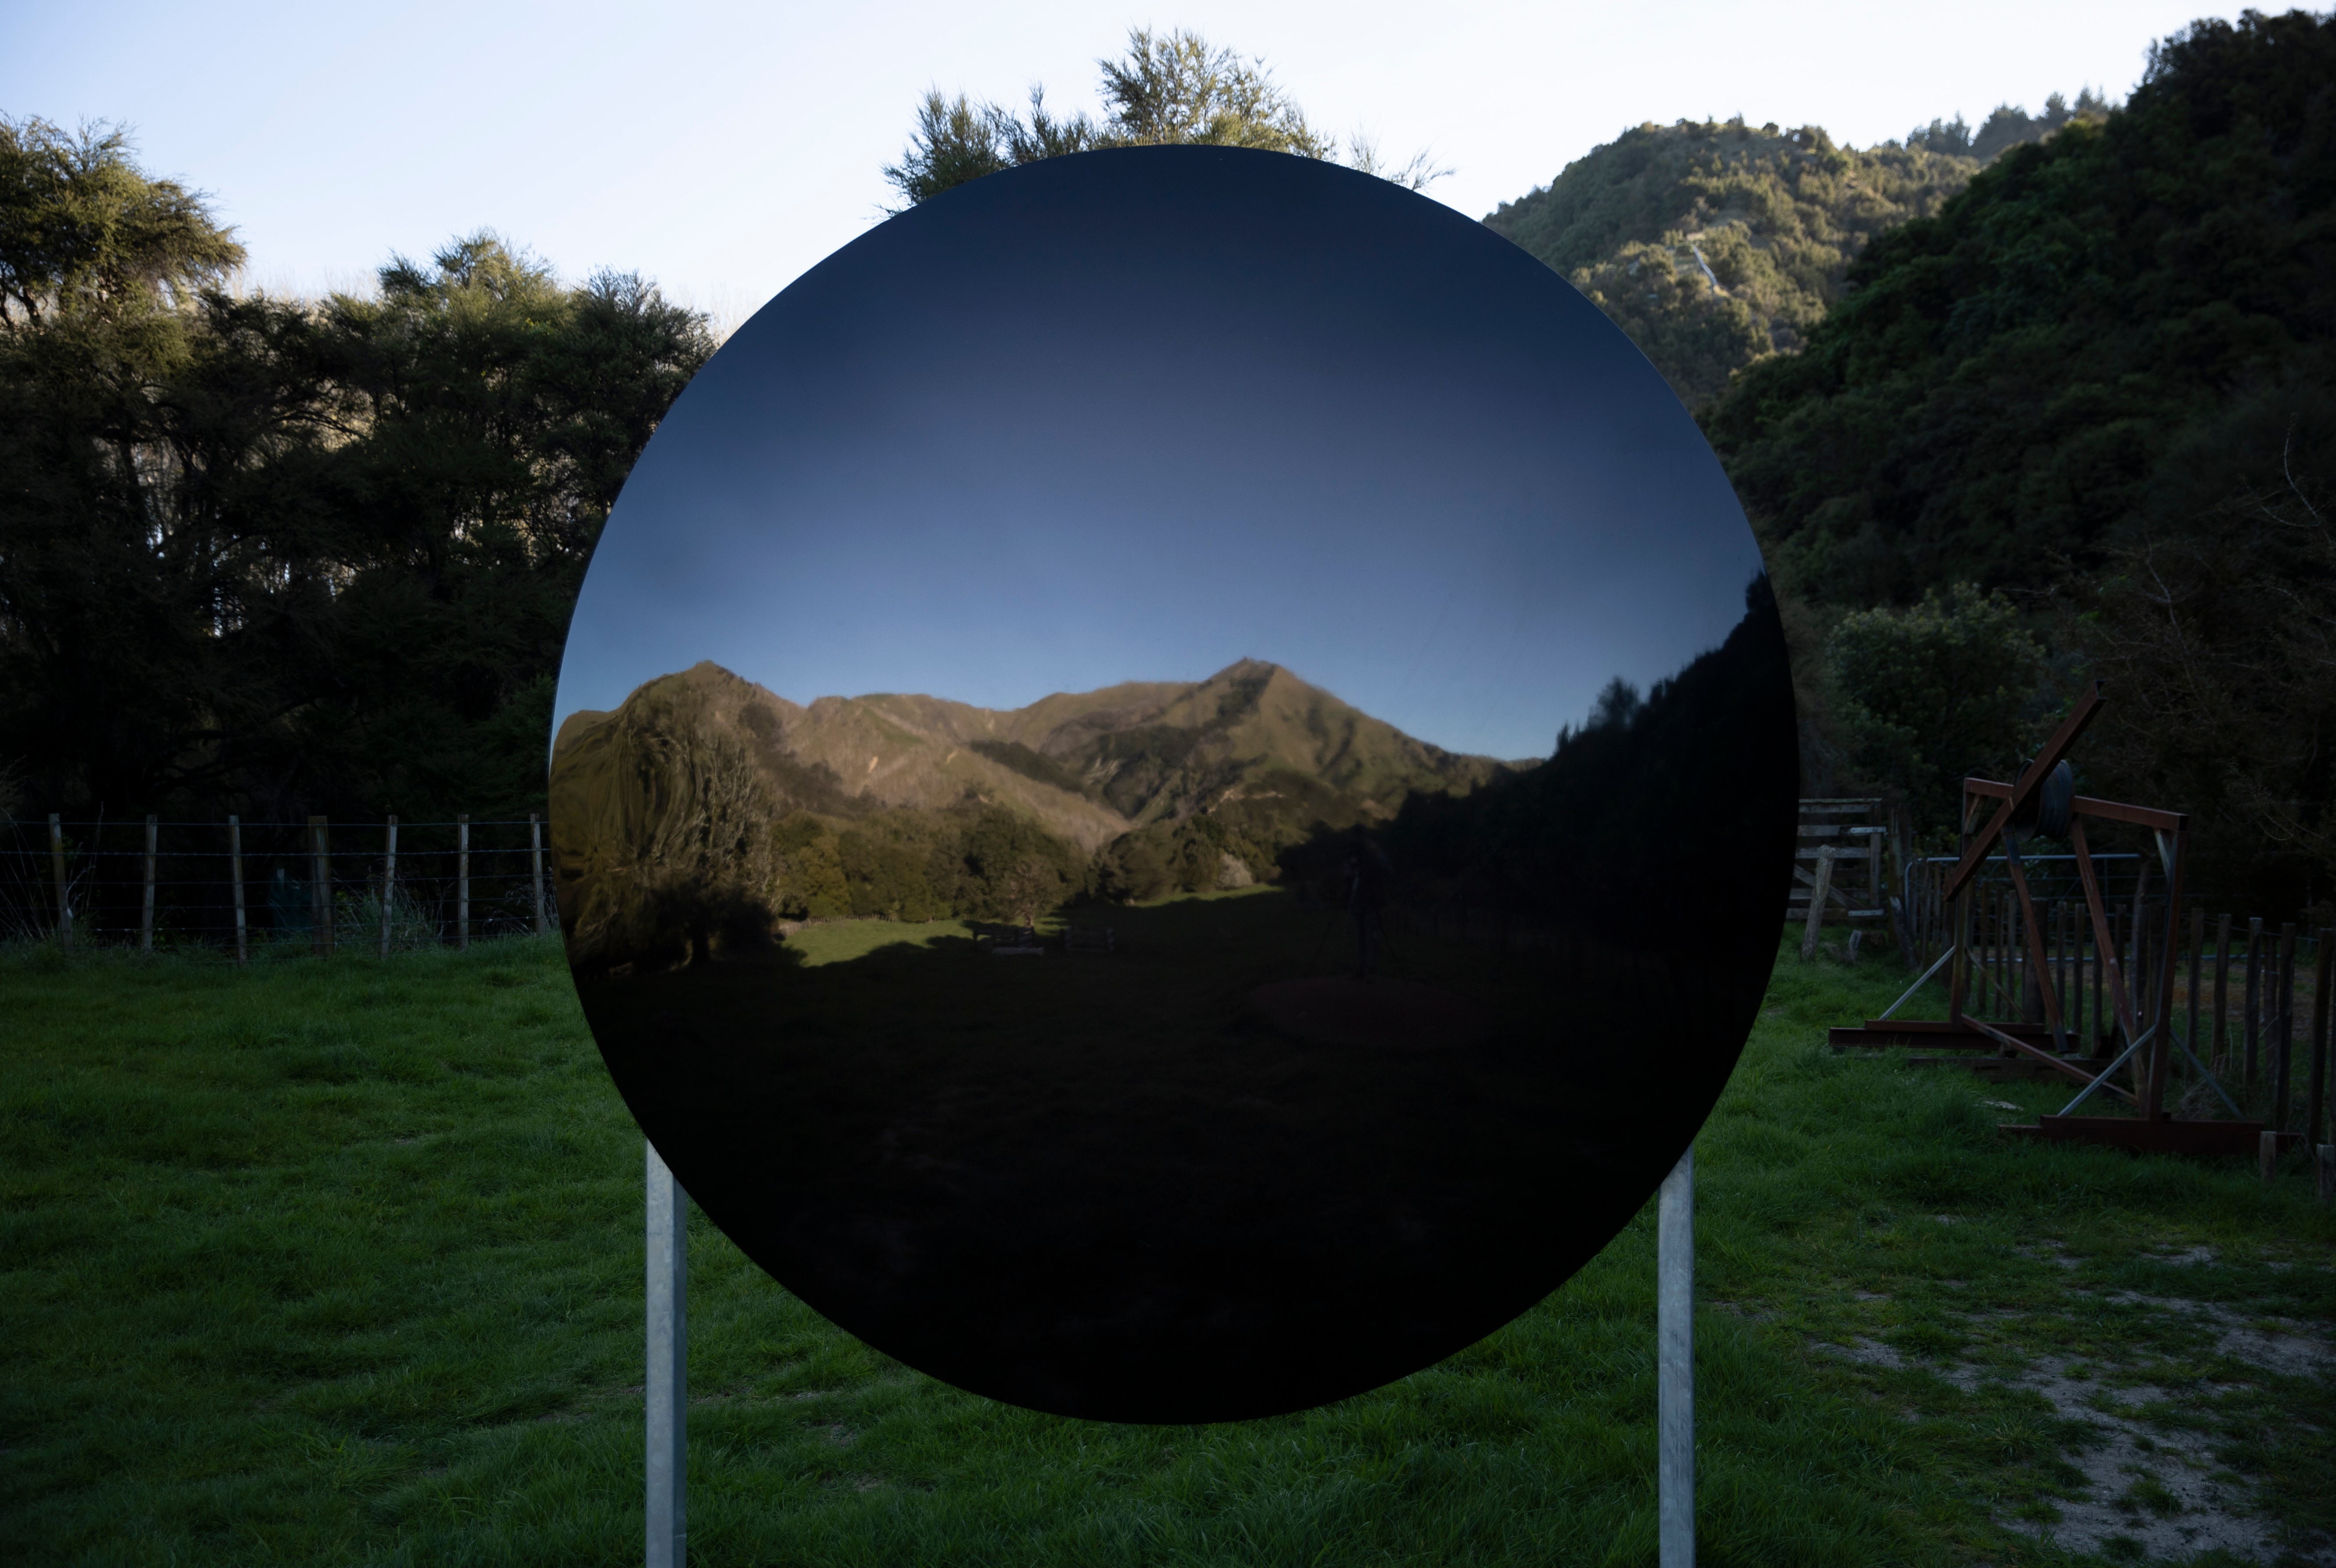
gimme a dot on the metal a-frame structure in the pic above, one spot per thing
(2019, 813)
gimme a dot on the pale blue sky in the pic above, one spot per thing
(1137, 415)
(724, 148)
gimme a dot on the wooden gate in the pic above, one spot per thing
(1839, 849)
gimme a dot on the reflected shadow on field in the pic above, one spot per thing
(1208, 1173)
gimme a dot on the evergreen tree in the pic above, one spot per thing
(1169, 89)
(1951, 686)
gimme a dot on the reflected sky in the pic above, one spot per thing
(1136, 414)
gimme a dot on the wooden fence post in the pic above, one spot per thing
(2254, 998)
(320, 888)
(2072, 977)
(1934, 914)
(2015, 959)
(2031, 989)
(1985, 948)
(2147, 998)
(2011, 955)
(2198, 957)
(2088, 1024)
(57, 869)
(146, 903)
(463, 883)
(1881, 897)
(2018, 995)
(2283, 1027)
(2314, 1097)
(2056, 968)
(2103, 1014)
(1816, 902)
(1958, 938)
(388, 880)
(2221, 994)
(234, 874)
(535, 850)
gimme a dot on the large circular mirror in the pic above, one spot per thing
(1175, 784)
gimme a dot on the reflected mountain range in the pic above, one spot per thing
(1132, 790)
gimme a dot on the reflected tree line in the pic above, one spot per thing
(1667, 817)
(1665, 814)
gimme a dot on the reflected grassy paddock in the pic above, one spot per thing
(1135, 1169)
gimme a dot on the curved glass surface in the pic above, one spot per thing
(1175, 784)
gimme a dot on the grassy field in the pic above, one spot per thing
(340, 1263)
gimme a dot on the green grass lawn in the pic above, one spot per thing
(341, 1261)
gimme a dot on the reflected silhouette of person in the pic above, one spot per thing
(1368, 876)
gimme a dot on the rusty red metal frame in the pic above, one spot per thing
(2015, 795)
(2172, 830)
(2153, 1128)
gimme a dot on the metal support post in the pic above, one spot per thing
(668, 1384)
(1675, 1363)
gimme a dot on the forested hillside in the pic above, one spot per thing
(2115, 324)
(1712, 244)
(2101, 382)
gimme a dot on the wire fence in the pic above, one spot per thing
(240, 889)
(2052, 881)
(2235, 958)
(2242, 996)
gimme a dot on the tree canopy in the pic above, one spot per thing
(2007, 127)
(277, 555)
(84, 233)
(1172, 88)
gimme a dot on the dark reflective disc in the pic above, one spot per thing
(1174, 785)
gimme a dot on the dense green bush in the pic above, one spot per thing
(1930, 693)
